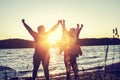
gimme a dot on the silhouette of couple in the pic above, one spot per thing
(68, 45)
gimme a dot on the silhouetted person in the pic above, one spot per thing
(71, 49)
(41, 48)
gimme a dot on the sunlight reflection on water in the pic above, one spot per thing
(21, 59)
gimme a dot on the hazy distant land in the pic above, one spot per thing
(21, 43)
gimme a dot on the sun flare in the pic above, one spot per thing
(53, 39)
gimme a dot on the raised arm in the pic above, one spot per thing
(64, 30)
(64, 37)
(79, 29)
(28, 28)
(55, 26)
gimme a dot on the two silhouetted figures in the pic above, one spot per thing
(68, 45)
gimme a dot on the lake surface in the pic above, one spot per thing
(19, 61)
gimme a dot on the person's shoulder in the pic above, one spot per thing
(47, 33)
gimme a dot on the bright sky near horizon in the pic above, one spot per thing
(99, 17)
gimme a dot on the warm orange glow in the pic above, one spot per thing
(53, 38)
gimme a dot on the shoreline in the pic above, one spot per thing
(111, 72)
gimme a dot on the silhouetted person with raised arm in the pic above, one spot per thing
(41, 48)
(71, 49)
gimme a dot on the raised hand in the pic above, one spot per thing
(63, 21)
(23, 20)
(81, 25)
(78, 25)
(59, 21)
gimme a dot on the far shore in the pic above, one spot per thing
(21, 43)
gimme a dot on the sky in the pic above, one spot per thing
(99, 17)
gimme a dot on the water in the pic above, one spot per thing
(19, 61)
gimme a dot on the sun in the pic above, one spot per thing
(53, 38)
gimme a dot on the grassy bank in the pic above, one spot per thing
(111, 72)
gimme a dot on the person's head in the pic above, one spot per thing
(71, 32)
(41, 29)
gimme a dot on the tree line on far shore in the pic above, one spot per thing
(21, 43)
